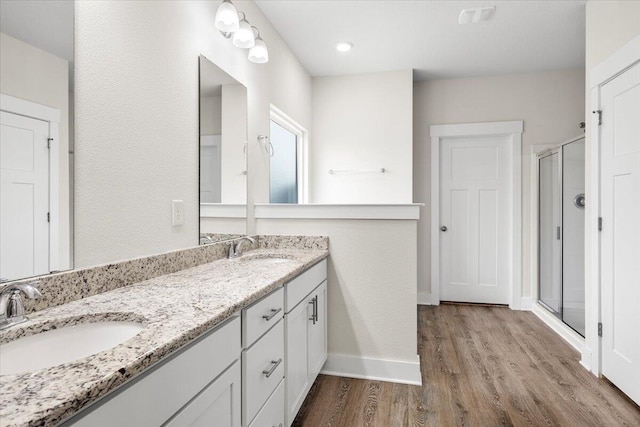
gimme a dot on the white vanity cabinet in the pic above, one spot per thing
(254, 370)
(198, 386)
(263, 354)
(306, 335)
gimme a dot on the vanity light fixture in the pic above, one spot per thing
(232, 23)
(259, 53)
(227, 18)
(244, 38)
(344, 47)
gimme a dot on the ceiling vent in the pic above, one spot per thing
(475, 15)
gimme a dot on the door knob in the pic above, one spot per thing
(443, 228)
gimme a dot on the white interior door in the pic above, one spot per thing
(24, 196)
(210, 169)
(620, 250)
(475, 219)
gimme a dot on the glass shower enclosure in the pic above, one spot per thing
(561, 201)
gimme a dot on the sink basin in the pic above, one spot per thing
(58, 346)
(266, 258)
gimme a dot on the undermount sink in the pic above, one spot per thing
(58, 346)
(267, 258)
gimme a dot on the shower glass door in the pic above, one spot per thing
(550, 243)
(573, 202)
(561, 204)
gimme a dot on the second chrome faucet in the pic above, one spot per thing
(235, 247)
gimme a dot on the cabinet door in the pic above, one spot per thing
(297, 372)
(218, 404)
(318, 332)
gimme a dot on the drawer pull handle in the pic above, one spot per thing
(279, 425)
(274, 311)
(275, 363)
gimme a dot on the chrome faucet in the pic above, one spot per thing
(235, 248)
(205, 240)
(11, 305)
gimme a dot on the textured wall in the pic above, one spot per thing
(137, 118)
(371, 284)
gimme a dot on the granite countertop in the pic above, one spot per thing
(175, 309)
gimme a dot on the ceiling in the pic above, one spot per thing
(46, 24)
(523, 36)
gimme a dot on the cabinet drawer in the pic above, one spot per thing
(153, 397)
(272, 413)
(302, 285)
(261, 316)
(218, 404)
(262, 370)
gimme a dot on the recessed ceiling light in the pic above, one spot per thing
(344, 46)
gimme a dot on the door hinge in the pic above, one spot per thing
(49, 142)
(599, 329)
(599, 223)
(599, 113)
(48, 217)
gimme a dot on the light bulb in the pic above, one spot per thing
(344, 46)
(244, 37)
(259, 53)
(227, 17)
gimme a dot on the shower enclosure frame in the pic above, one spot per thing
(538, 307)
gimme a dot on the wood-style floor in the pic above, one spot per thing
(481, 366)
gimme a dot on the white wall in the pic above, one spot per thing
(362, 122)
(32, 74)
(551, 105)
(137, 118)
(371, 285)
(221, 225)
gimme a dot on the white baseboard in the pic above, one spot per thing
(424, 298)
(395, 371)
(568, 334)
(526, 303)
(585, 361)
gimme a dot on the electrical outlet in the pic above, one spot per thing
(177, 212)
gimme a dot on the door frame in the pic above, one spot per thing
(21, 107)
(616, 64)
(513, 131)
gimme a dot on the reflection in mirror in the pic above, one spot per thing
(287, 165)
(283, 167)
(223, 155)
(36, 137)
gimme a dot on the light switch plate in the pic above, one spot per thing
(177, 209)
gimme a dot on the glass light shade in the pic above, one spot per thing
(259, 53)
(227, 18)
(244, 37)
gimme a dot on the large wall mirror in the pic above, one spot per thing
(36, 137)
(223, 155)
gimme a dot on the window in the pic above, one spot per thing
(287, 169)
